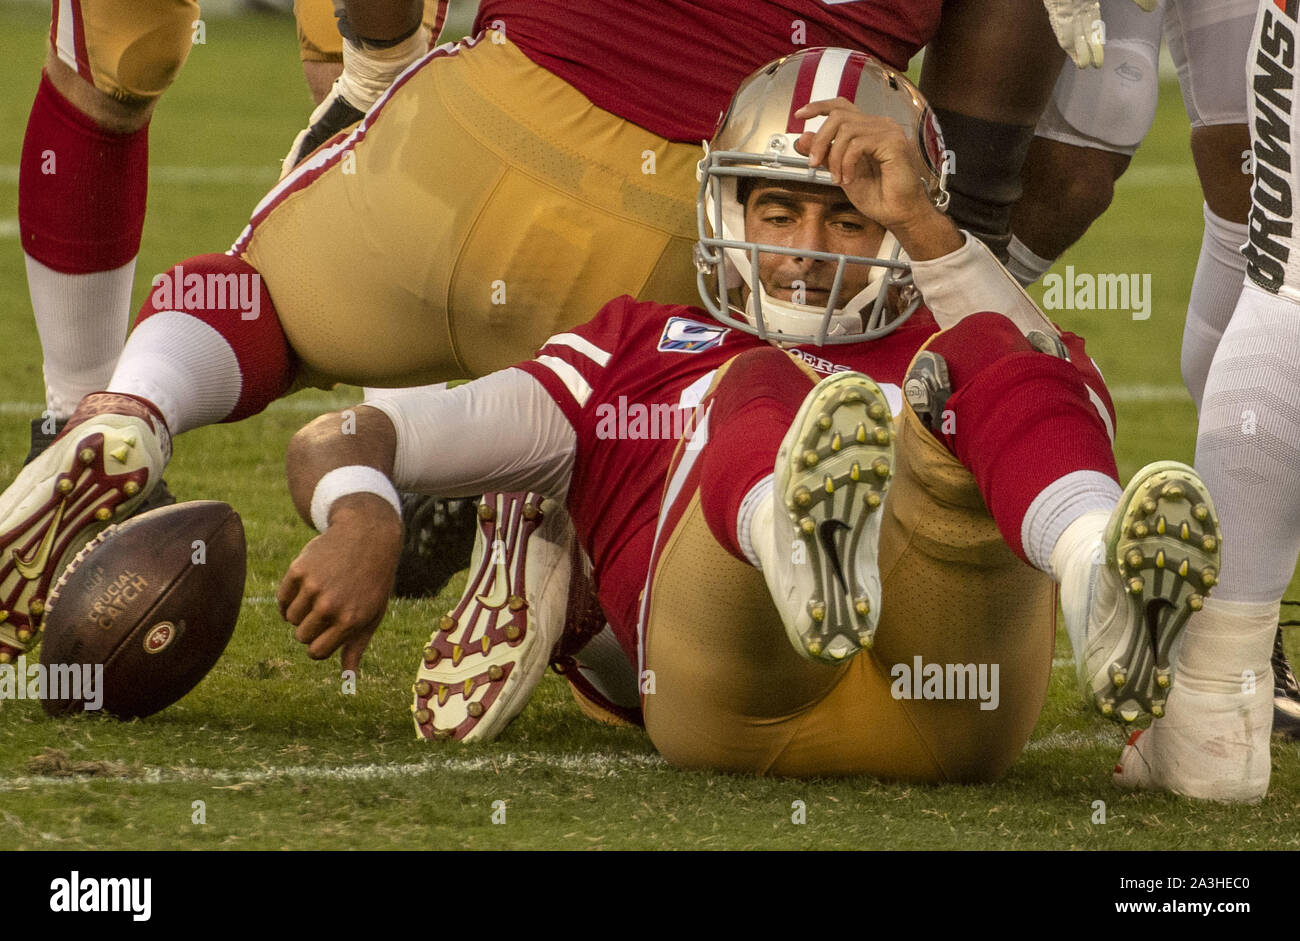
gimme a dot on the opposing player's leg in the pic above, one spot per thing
(988, 73)
(1214, 743)
(82, 182)
(1084, 140)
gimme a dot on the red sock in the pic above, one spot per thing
(247, 322)
(1021, 419)
(81, 190)
(753, 406)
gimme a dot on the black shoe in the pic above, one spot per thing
(437, 540)
(42, 438)
(1286, 695)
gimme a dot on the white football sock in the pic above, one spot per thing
(755, 532)
(82, 321)
(1215, 289)
(1025, 266)
(1248, 446)
(1075, 563)
(1057, 506)
(184, 367)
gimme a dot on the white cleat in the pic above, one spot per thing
(487, 655)
(1160, 558)
(1213, 746)
(95, 475)
(832, 474)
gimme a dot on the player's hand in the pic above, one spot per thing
(1079, 28)
(367, 74)
(336, 590)
(880, 171)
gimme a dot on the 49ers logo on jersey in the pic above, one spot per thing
(683, 335)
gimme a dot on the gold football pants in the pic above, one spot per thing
(732, 694)
(486, 206)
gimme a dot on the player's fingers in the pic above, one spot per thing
(287, 591)
(300, 605)
(356, 645)
(823, 137)
(313, 626)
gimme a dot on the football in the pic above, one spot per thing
(144, 611)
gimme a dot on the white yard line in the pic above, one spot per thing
(1076, 740)
(594, 764)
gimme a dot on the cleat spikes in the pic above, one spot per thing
(1160, 559)
(513, 632)
(881, 467)
(855, 472)
(1134, 558)
(36, 607)
(810, 458)
(862, 606)
(475, 709)
(818, 611)
(861, 434)
(423, 689)
(1157, 710)
(1160, 526)
(1185, 533)
(1183, 568)
(1140, 530)
(103, 513)
(873, 500)
(864, 639)
(876, 411)
(881, 435)
(457, 654)
(802, 497)
(1107, 707)
(469, 687)
(431, 656)
(532, 511)
(486, 513)
(830, 485)
(815, 648)
(1162, 680)
(1136, 584)
(443, 693)
(1209, 577)
(1200, 513)
(120, 453)
(423, 716)
(446, 623)
(1129, 713)
(495, 672)
(515, 603)
(86, 455)
(1173, 492)
(824, 423)
(130, 488)
(486, 643)
(24, 635)
(1148, 506)
(837, 442)
(1119, 679)
(64, 485)
(1195, 602)
(807, 526)
(1209, 543)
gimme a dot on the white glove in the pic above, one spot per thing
(367, 74)
(1079, 29)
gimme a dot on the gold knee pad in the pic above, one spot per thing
(133, 49)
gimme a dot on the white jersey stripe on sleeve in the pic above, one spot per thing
(571, 378)
(582, 345)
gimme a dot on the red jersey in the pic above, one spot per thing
(627, 381)
(672, 66)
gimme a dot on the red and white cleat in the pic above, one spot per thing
(482, 663)
(98, 471)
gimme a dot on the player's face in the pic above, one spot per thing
(820, 218)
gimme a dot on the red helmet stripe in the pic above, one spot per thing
(803, 85)
(849, 77)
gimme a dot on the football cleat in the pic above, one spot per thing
(1286, 695)
(438, 536)
(832, 473)
(1161, 560)
(101, 469)
(1213, 746)
(488, 653)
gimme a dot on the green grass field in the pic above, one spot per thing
(281, 759)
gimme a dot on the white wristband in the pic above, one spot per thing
(342, 481)
(368, 71)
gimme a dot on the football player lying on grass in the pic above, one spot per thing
(810, 575)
